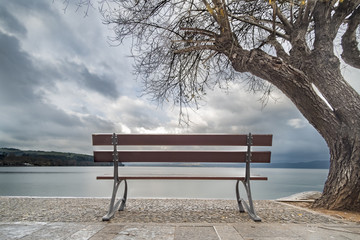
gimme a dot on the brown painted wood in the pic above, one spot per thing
(262, 140)
(180, 139)
(101, 139)
(182, 156)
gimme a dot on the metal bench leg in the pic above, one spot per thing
(242, 203)
(113, 206)
(241, 208)
(123, 200)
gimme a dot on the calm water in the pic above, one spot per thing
(81, 182)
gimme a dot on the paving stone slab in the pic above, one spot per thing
(227, 232)
(198, 232)
(140, 231)
(263, 230)
(18, 230)
(108, 232)
(326, 232)
(55, 231)
(146, 232)
(87, 232)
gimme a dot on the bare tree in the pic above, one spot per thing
(184, 47)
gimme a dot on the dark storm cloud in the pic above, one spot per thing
(17, 74)
(26, 119)
(29, 120)
(10, 23)
(137, 116)
(16, 62)
(103, 85)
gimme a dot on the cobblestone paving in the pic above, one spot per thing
(23, 209)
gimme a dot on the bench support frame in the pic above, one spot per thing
(120, 204)
(241, 202)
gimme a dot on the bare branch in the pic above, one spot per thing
(193, 41)
(287, 25)
(351, 53)
(342, 11)
(199, 31)
(280, 52)
(196, 48)
(255, 23)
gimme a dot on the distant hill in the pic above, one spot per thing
(17, 157)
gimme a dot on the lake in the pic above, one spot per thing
(81, 182)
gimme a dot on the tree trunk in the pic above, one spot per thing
(338, 124)
(342, 188)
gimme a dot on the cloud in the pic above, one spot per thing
(10, 23)
(57, 104)
(103, 85)
(240, 112)
(297, 123)
(17, 74)
(28, 120)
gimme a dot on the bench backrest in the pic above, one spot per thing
(182, 140)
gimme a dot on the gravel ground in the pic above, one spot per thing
(15, 209)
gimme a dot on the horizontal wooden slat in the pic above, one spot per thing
(101, 139)
(179, 178)
(262, 140)
(181, 156)
(180, 139)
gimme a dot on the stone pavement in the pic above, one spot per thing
(203, 231)
(164, 219)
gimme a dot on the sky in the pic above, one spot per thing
(62, 79)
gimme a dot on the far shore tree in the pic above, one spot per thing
(183, 48)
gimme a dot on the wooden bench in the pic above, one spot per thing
(118, 157)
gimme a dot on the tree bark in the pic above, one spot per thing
(342, 188)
